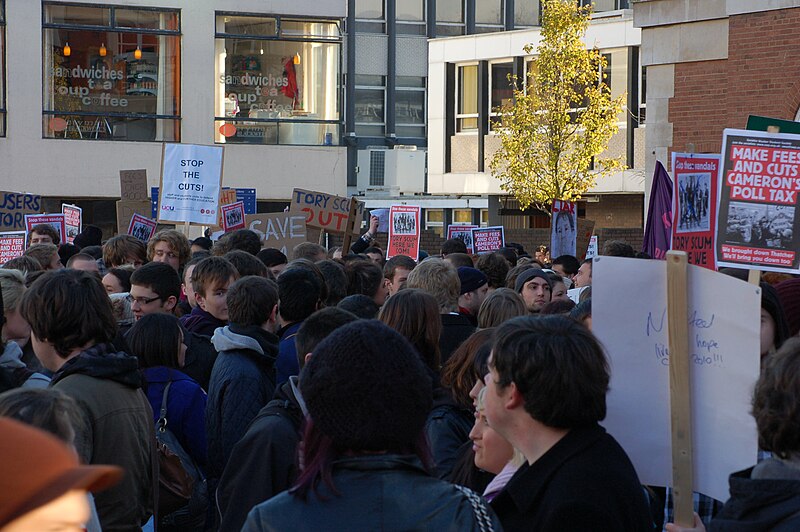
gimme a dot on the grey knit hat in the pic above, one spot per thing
(527, 275)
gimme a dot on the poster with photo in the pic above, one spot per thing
(463, 233)
(488, 239)
(142, 228)
(12, 245)
(563, 229)
(73, 221)
(404, 231)
(757, 226)
(694, 206)
(56, 220)
(233, 216)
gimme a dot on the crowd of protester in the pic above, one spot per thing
(197, 385)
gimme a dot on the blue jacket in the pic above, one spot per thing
(242, 382)
(287, 364)
(186, 408)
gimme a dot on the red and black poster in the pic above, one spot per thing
(694, 206)
(757, 226)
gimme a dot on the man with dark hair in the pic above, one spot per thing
(310, 251)
(376, 255)
(300, 293)
(459, 260)
(365, 277)
(453, 245)
(274, 259)
(495, 267)
(243, 378)
(395, 273)
(72, 326)
(43, 234)
(123, 249)
(618, 248)
(546, 393)
(536, 289)
(243, 239)
(584, 275)
(566, 266)
(335, 279)
(247, 264)
(201, 243)
(264, 463)
(83, 262)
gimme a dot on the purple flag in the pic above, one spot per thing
(658, 230)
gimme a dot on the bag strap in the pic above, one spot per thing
(478, 508)
(161, 424)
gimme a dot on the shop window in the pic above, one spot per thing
(410, 107)
(278, 81)
(370, 16)
(2, 69)
(501, 89)
(411, 17)
(489, 16)
(370, 106)
(467, 110)
(111, 73)
(449, 17)
(526, 13)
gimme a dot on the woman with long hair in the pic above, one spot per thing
(415, 314)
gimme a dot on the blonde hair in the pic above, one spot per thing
(12, 284)
(177, 241)
(439, 278)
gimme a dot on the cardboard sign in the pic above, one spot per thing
(12, 245)
(280, 230)
(488, 239)
(133, 184)
(191, 181)
(758, 223)
(585, 233)
(142, 228)
(463, 233)
(404, 231)
(73, 220)
(55, 220)
(694, 206)
(13, 208)
(127, 208)
(324, 211)
(233, 216)
(630, 318)
(226, 197)
(563, 229)
(591, 251)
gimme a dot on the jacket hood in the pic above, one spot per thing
(12, 356)
(102, 362)
(252, 338)
(759, 504)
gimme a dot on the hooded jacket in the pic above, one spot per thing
(17, 373)
(242, 381)
(201, 322)
(118, 430)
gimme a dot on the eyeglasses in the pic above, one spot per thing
(141, 300)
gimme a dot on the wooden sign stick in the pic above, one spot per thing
(350, 226)
(679, 389)
(754, 277)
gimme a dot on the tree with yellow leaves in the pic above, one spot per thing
(553, 133)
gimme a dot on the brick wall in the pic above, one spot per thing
(617, 210)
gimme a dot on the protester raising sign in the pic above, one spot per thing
(694, 206)
(404, 231)
(488, 239)
(191, 179)
(757, 222)
(12, 245)
(324, 211)
(142, 228)
(563, 229)
(282, 230)
(463, 233)
(73, 220)
(56, 220)
(13, 208)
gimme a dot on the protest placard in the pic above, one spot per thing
(73, 220)
(133, 185)
(54, 220)
(13, 208)
(584, 236)
(694, 206)
(12, 245)
(233, 216)
(463, 233)
(404, 231)
(630, 318)
(142, 228)
(280, 230)
(226, 197)
(563, 229)
(127, 208)
(757, 222)
(488, 239)
(191, 181)
(591, 251)
(324, 211)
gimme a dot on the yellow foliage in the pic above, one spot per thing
(553, 130)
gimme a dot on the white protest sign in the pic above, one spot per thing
(591, 251)
(383, 219)
(191, 180)
(629, 317)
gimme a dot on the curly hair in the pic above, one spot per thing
(776, 401)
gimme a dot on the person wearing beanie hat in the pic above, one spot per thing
(43, 485)
(789, 295)
(474, 289)
(774, 328)
(536, 289)
(368, 395)
(90, 236)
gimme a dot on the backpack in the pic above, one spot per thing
(182, 487)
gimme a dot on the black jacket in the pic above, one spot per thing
(584, 482)
(455, 329)
(264, 462)
(200, 358)
(376, 492)
(447, 429)
(759, 504)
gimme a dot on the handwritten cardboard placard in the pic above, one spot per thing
(233, 216)
(488, 239)
(73, 220)
(142, 228)
(585, 230)
(279, 230)
(404, 231)
(324, 211)
(54, 220)
(127, 208)
(12, 245)
(13, 208)
(133, 185)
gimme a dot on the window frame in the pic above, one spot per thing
(420, 26)
(491, 27)
(459, 116)
(424, 124)
(492, 114)
(462, 24)
(382, 88)
(372, 25)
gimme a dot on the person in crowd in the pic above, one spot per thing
(376, 255)
(43, 234)
(155, 288)
(14, 327)
(566, 266)
(14, 372)
(123, 249)
(618, 248)
(243, 239)
(395, 273)
(774, 328)
(273, 259)
(170, 246)
(516, 271)
(335, 280)
(493, 453)
(495, 267)
(243, 379)
(362, 306)
(545, 393)
(264, 461)
(211, 279)
(95, 251)
(438, 278)
(46, 255)
(247, 264)
(84, 262)
(415, 314)
(535, 288)
(499, 307)
(789, 295)
(459, 260)
(453, 245)
(90, 236)
(512, 253)
(584, 275)
(72, 326)
(186, 284)
(364, 445)
(582, 313)
(24, 264)
(117, 280)
(43, 485)
(559, 287)
(558, 306)
(66, 251)
(365, 277)
(309, 251)
(542, 252)
(474, 288)
(300, 293)
(201, 243)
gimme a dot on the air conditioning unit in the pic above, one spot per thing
(397, 171)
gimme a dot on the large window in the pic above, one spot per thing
(111, 73)
(489, 16)
(467, 110)
(411, 17)
(501, 89)
(2, 68)
(449, 17)
(370, 106)
(526, 13)
(278, 80)
(370, 16)
(410, 107)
